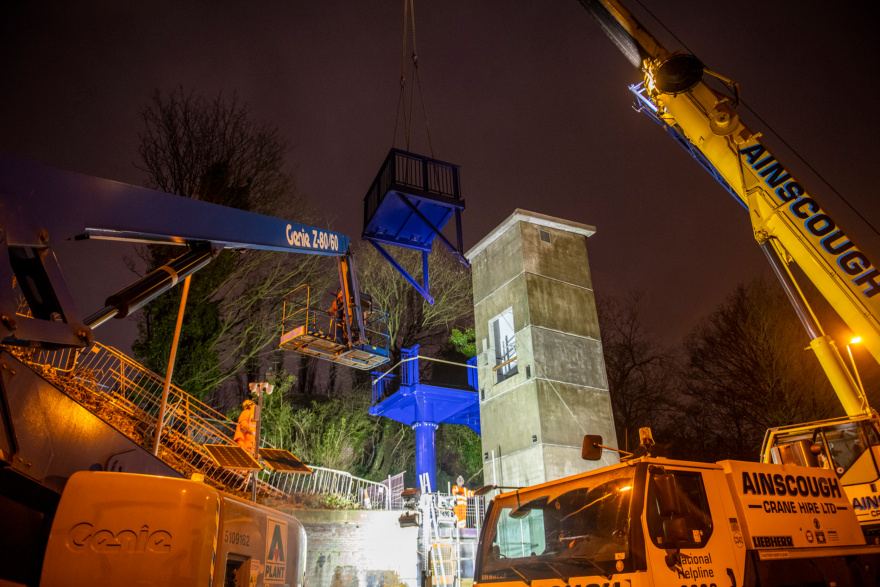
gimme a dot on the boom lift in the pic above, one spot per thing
(40, 206)
(789, 225)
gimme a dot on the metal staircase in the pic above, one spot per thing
(127, 396)
(439, 535)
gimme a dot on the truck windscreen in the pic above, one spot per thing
(574, 529)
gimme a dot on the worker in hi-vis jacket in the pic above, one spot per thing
(247, 427)
(461, 494)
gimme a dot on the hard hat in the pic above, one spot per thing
(247, 403)
(460, 480)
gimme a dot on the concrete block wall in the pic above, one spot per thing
(356, 548)
(535, 421)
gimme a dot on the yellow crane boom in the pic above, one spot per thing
(787, 221)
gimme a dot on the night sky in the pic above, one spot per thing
(530, 98)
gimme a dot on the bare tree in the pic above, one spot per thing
(412, 320)
(747, 370)
(213, 150)
(640, 369)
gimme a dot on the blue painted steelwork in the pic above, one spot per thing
(408, 204)
(423, 406)
(647, 107)
(423, 291)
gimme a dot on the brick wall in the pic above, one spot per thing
(359, 549)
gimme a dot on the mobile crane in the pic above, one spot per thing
(656, 521)
(789, 224)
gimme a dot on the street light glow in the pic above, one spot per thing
(856, 340)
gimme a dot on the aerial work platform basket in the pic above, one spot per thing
(410, 201)
(314, 326)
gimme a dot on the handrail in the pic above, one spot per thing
(416, 358)
(123, 392)
(507, 362)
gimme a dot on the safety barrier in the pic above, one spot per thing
(357, 492)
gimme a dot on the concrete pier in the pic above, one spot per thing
(541, 371)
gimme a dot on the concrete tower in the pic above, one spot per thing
(541, 371)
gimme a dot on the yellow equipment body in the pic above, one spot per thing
(782, 210)
(850, 447)
(654, 521)
(116, 529)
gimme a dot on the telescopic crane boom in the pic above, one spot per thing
(787, 221)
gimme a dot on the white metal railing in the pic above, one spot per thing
(361, 493)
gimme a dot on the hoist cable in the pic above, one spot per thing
(425, 112)
(776, 134)
(660, 22)
(402, 95)
(418, 82)
(412, 89)
(409, 18)
(412, 13)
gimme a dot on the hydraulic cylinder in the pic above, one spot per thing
(151, 286)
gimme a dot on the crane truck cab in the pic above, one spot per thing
(849, 447)
(655, 521)
(123, 529)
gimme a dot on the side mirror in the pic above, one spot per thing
(519, 513)
(667, 495)
(592, 449)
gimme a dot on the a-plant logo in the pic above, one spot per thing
(276, 551)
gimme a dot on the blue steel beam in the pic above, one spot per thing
(412, 281)
(439, 234)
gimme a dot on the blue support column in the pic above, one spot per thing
(426, 454)
(412, 281)
(425, 406)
